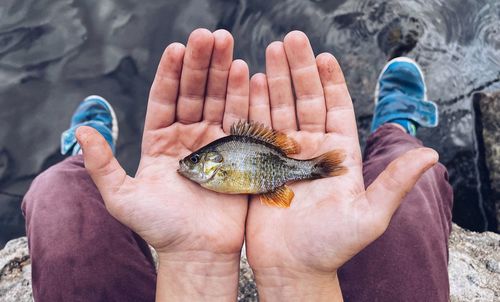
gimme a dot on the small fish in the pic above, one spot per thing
(253, 160)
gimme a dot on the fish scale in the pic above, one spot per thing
(265, 167)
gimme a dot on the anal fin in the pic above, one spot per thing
(281, 197)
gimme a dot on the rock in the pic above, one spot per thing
(15, 272)
(487, 111)
(247, 290)
(474, 266)
(474, 269)
(489, 104)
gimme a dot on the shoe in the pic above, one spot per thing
(94, 112)
(401, 97)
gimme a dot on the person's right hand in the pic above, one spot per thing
(197, 94)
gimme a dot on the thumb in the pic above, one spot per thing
(387, 191)
(100, 162)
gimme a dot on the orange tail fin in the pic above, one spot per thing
(329, 164)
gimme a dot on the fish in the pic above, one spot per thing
(254, 159)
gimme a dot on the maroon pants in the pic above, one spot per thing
(80, 253)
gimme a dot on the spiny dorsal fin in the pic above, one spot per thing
(281, 197)
(259, 131)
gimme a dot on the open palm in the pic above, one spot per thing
(198, 92)
(330, 219)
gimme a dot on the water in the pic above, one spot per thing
(55, 52)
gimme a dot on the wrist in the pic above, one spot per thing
(279, 284)
(197, 276)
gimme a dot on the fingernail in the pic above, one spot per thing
(81, 134)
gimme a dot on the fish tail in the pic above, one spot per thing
(328, 164)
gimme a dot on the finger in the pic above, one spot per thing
(163, 94)
(260, 110)
(280, 88)
(100, 162)
(222, 57)
(194, 76)
(385, 194)
(340, 116)
(310, 103)
(237, 95)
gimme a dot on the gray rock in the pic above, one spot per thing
(247, 290)
(487, 108)
(15, 272)
(474, 266)
(474, 269)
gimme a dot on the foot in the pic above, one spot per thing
(97, 113)
(401, 97)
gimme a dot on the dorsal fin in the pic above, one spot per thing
(268, 135)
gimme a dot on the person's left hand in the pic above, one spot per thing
(295, 252)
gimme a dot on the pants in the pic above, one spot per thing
(80, 253)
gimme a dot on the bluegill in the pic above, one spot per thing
(253, 159)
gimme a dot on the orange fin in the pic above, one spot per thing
(268, 135)
(281, 197)
(329, 164)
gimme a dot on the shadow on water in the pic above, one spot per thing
(54, 53)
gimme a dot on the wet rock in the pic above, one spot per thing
(487, 110)
(55, 52)
(15, 272)
(474, 269)
(36, 34)
(4, 164)
(399, 36)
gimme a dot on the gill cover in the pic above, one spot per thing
(211, 163)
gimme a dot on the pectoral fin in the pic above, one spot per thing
(281, 197)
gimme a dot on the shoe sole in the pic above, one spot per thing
(114, 120)
(399, 59)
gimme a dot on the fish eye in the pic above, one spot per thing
(195, 158)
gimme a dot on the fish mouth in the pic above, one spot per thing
(182, 168)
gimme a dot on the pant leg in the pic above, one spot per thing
(409, 261)
(78, 251)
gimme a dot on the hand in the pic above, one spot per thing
(296, 252)
(198, 92)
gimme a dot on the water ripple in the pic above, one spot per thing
(54, 52)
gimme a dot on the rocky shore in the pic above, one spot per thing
(474, 269)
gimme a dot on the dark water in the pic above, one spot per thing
(55, 52)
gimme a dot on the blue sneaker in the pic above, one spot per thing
(97, 113)
(401, 97)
